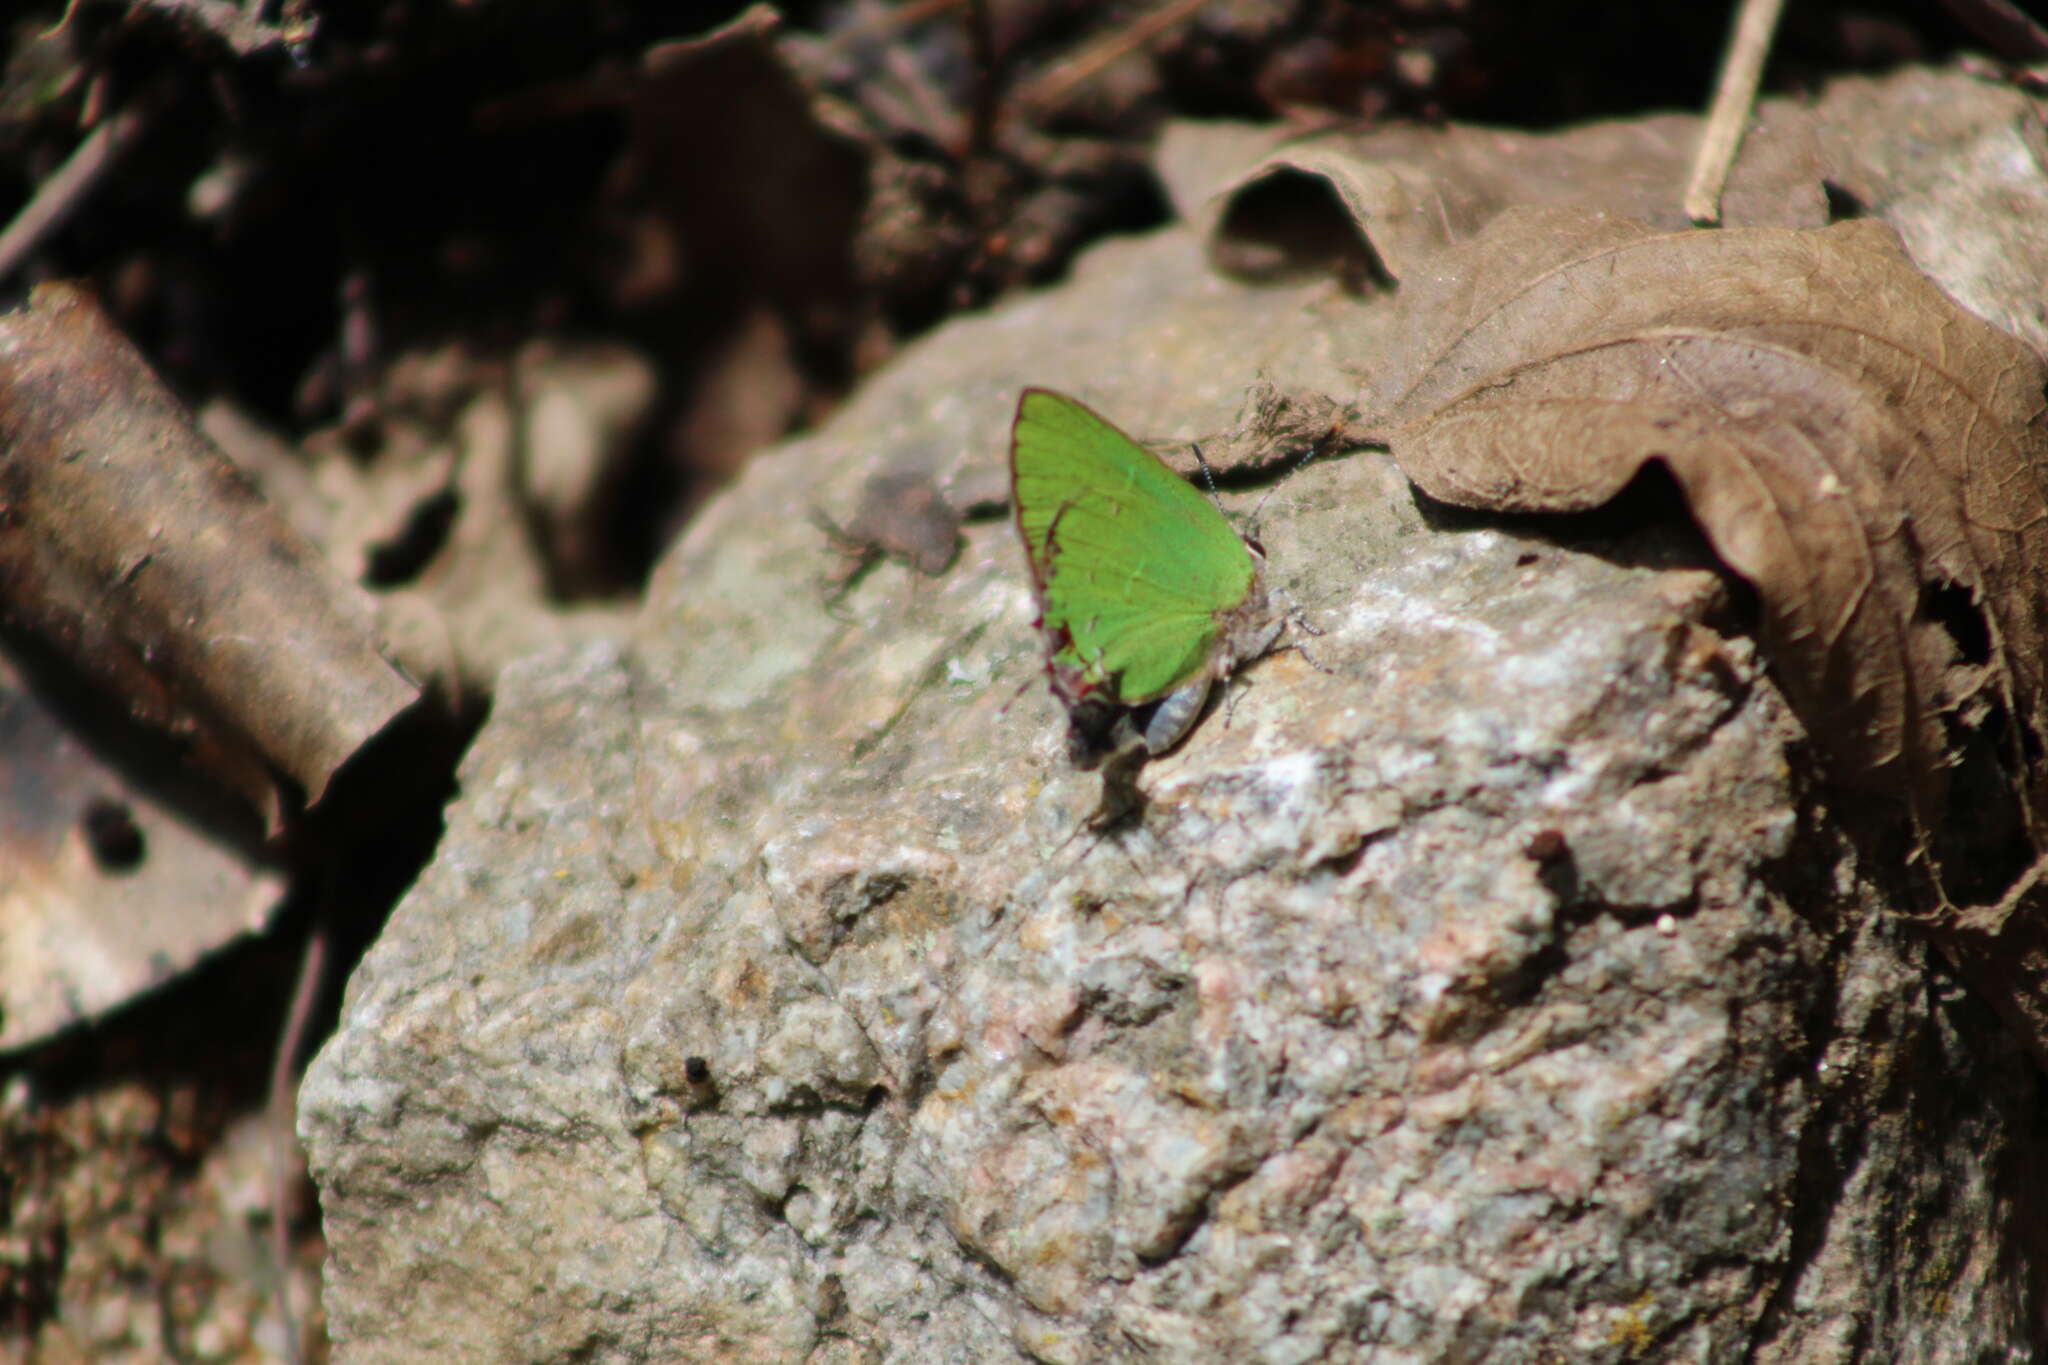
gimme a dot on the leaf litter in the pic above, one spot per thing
(1861, 450)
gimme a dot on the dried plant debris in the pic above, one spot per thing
(483, 509)
(902, 515)
(967, 192)
(140, 1207)
(1953, 163)
(134, 550)
(582, 411)
(106, 888)
(1278, 427)
(1400, 195)
(1853, 444)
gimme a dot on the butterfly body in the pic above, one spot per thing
(1146, 595)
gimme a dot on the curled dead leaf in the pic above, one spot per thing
(1362, 205)
(1852, 443)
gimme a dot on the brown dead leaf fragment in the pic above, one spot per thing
(1276, 426)
(1851, 442)
(106, 887)
(1400, 195)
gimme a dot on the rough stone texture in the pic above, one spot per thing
(1503, 994)
(1480, 999)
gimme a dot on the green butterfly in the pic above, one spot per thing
(1145, 593)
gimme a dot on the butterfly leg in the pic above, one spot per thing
(1299, 648)
(1313, 662)
(1174, 715)
(1295, 616)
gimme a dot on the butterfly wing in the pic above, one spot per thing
(1134, 569)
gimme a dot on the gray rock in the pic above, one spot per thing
(1505, 993)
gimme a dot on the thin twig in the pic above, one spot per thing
(876, 25)
(63, 20)
(283, 1067)
(934, 117)
(1734, 99)
(66, 187)
(981, 42)
(1044, 95)
(2004, 26)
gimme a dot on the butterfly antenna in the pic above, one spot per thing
(1208, 474)
(1253, 519)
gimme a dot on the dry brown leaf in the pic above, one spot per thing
(109, 884)
(1850, 441)
(1312, 206)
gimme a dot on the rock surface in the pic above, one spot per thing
(1503, 993)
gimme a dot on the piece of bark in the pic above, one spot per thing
(134, 551)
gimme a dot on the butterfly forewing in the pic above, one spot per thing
(1134, 568)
